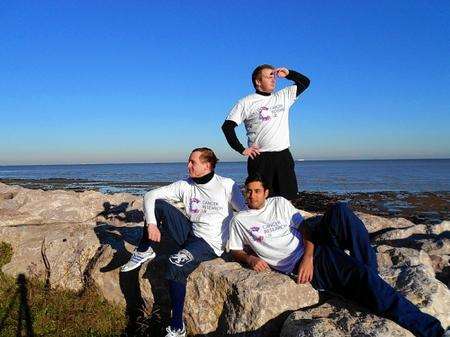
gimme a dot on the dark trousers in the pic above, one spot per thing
(277, 169)
(190, 249)
(355, 277)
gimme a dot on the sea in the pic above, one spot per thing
(337, 176)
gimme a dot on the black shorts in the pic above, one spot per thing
(277, 169)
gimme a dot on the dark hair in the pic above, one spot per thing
(207, 155)
(256, 177)
(256, 75)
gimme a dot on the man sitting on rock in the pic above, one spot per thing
(277, 234)
(209, 200)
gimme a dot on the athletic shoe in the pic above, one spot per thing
(137, 259)
(446, 333)
(176, 333)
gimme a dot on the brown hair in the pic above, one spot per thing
(207, 155)
(256, 75)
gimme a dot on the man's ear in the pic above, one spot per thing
(257, 83)
(266, 193)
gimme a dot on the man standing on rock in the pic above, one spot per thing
(279, 237)
(266, 117)
(209, 200)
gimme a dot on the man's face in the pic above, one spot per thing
(267, 80)
(256, 195)
(196, 167)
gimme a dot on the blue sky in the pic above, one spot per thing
(146, 81)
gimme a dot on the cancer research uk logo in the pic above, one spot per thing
(263, 113)
(256, 236)
(194, 205)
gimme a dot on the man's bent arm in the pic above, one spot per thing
(301, 81)
(170, 192)
(251, 261)
(230, 134)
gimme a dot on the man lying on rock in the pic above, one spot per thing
(209, 200)
(277, 234)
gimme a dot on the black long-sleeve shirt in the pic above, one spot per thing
(228, 127)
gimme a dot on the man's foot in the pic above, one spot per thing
(446, 333)
(137, 259)
(176, 333)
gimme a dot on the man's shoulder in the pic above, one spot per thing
(224, 180)
(249, 98)
(277, 201)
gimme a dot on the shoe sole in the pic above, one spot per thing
(151, 257)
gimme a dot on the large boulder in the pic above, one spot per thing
(227, 298)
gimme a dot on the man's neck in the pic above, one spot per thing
(204, 179)
(263, 92)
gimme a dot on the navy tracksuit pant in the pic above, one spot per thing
(190, 251)
(355, 277)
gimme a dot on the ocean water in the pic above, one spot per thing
(324, 176)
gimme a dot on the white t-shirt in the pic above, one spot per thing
(272, 233)
(266, 118)
(208, 206)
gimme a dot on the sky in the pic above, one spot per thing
(148, 81)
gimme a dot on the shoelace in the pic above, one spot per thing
(171, 333)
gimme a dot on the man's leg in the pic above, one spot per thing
(285, 175)
(341, 274)
(180, 266)
(264, 166)
(172, 221)
(341, 228)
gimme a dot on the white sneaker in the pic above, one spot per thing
(176, 333)
(137, 259)
(446, 333)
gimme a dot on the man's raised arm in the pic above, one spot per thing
(301, 81)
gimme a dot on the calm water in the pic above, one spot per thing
(325, 176)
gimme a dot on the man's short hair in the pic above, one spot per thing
(207, 155)
(256, 177)
(256, 75)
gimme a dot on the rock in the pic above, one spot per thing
(59, 255)
(411, 273)
(25, 206)
(339, 319)
(376, 223)
(226, 298)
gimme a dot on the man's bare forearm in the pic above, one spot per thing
(309, 246)
(241, 256)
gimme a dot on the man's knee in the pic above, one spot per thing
(180, 265)
(341, 207)
(161, 204)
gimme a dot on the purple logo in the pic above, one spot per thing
(264, 114)
(193, 205)
(254, 228)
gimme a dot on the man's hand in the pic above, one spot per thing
(153, 233)
(257, 264)
(305, 269)
(281, 72)
(252, 152)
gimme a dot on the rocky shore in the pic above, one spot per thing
(74, 240)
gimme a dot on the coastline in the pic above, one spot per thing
(418, 207)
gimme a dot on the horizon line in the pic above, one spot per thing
(221, 161)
